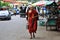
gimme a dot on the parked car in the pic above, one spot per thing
(4, 14)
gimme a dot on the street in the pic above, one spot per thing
(15, 29)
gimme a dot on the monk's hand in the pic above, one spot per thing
(28, 18)
(32, 17)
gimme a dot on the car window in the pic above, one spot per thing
(3, 9)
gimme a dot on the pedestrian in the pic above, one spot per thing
(14, 12)
(32, 17)
(23, 10)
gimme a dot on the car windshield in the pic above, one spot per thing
(3, 9)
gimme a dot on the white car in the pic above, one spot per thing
(4, 14)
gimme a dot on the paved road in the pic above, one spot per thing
(15, 29)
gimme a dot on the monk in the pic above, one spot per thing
(32, 17)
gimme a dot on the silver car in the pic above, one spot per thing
(4, 14)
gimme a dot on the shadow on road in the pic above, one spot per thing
(4, 20)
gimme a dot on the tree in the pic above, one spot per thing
(1, 0)
(4, 4)
(1, 4)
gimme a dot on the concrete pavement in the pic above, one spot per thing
(15, 29)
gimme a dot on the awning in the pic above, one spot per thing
(6, 0)
(42, 3)
(9, 0)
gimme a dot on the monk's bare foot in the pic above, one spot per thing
(33, 36)
(30, 37)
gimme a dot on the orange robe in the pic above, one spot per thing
(32, 27)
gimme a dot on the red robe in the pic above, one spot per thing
(32, 27)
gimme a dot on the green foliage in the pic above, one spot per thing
(1, 3)
(4, 4)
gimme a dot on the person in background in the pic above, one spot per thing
(32, 17)
(23, 10)
(14, 12)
